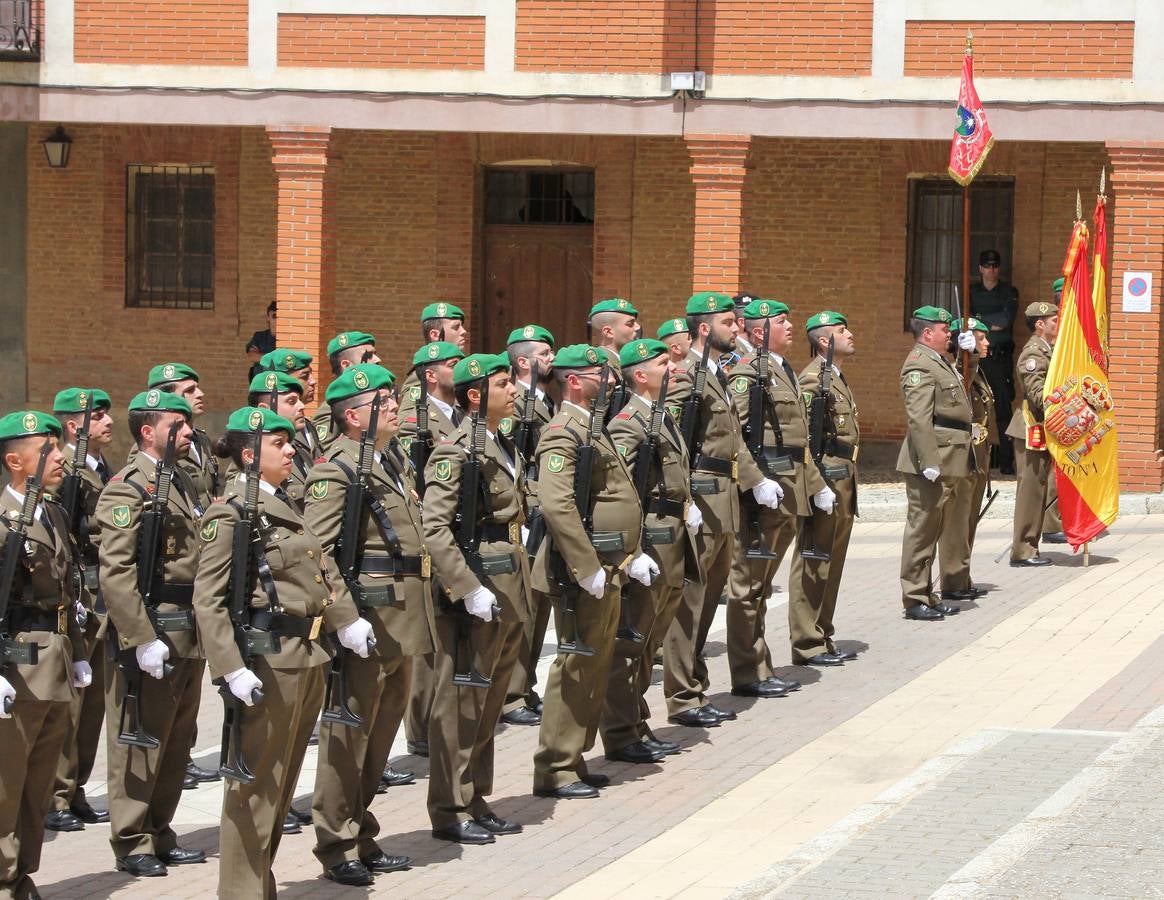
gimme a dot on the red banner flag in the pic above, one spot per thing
(972, 136)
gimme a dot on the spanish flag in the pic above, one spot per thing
(1080, 420)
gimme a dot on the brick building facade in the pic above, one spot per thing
(352, 146)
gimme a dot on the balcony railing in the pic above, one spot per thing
(20, 24)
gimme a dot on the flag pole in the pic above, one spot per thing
(966, 254)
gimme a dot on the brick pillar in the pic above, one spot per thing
(305, 254)
(718, 169)
(1137, 226)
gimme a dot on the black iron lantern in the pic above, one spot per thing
(56, 148)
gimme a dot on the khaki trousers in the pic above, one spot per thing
(1052, 521)
(749, 585)
(464, 719)
(928, 506)
(574, 691)
(30, 745)
(420, 698)
(86, 722)
(145, 785)
(813, 585)
(351, 760)
(955, 540)
(524, 677)
(274, 740)
(1034, 468)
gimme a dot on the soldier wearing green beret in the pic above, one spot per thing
(935, 456)
(289, 610)
(611, 325)
(37, 688)
(145, 783)
(200, 462)
(298, 364)
(492, 576)
(649, 441)
(591, 564)
(779, 445)
(721, 468)
(392, 590)
(439, 322)
(288, 403)
(1026, 427)
(71, 809)
(744, 345)
(674, 333)
(527, 345)
(814, 583)
(348, 348)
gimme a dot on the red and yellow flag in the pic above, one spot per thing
(1101, 268)
(1079, 418)
(972, 136)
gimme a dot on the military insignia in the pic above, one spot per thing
(740, 385)
(528, 332)
(442, 309)
(82, 399)
(840, 421)
(679, 324)
(824, 318)
(270, 381)
(474, 368)
(319, 490)
(643, 351)
(711, 304)
(808, 396)
(675, 411)
(622, 304)
(505, 426)
(29, 422)
(764, 308)
(944, 316)
(592, 355)
(914, 378)
(255, 420)
(973, 322)
(555, 462)
(442, 470)
(414, 393)
(360, 380)
(121, 516)
(171, 545)
(406, 444)
(342, 340)
(168, 371)
(623, 450)
(1044, 308)
(289, 361)
(153, 398)
(1030, 364)
(321, 431)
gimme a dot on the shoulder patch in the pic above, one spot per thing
(319, 490)
(740, 385)
(914, 378)
(1030, 364)
(506, 426)
(414, 393)
(321, 430)
(675, 410)
(555, 462)
(442, 470)
(808, 397)
(120, 515)
(406, 443)
(209, 530)
(623, 450)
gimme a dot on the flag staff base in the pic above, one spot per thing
(1086, 554)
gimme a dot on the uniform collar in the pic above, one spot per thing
(19, 498)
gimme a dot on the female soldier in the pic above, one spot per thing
(292, 591)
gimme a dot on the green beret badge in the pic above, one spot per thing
(442, 309)
(555, 462)
(343, 340)
(824, 318)
(82, 399)
(433, 351)
(643, 351)
(592, 355)
(528, 332)
(474, 368)
(270, 381)
(153, 398)
(764, 307)
(29, 422)
(289, 361)
(256, 419)
(168, 371)
(121, 516)
(711, 303)
(360, 380)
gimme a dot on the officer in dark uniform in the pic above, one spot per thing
(995, 302)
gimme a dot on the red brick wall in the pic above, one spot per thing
(1022, 49)
(663, 230)
(195, 32)
(382, 42)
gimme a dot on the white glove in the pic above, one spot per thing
(151, 656)
(967, 341)
(479, 602)
(524, 535)
(643, 569)
(694, 517)
(80, 613)
(768, 493)
(7, 692)
(242, 683)
(82, 674)
(354, 636)
(825, 500)
(931, 473)
(595, 585)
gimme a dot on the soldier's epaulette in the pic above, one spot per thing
(915, 355)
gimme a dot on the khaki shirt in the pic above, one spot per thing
(1030, 374)
(325, 430)
(931, 388)
(841, 422)
(440, 425)
(44, 581)
(541, 418)
(306, 583)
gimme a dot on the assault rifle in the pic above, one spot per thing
(818, 413)
(689, 420)
(421, 447)
(19, 652)
(71, 486)
(526, 441)
(760, 412)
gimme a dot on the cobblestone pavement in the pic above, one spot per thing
(939, 741)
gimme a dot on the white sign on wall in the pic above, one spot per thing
(1137, 292)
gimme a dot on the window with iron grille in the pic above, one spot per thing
(539, 197)
(934, 243)
(169, 237)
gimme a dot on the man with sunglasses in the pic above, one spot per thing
(995, 303)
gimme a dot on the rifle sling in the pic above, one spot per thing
(379, 513)
(262, 564)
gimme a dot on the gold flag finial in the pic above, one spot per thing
(969, 42)
(1078, 207)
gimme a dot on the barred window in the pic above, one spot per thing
(934, 242)
(539, 197)
(169, 237)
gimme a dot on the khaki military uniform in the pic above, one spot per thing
(719, 472)
(1034, 467)
(938, 423)
(423, 675)
(464, 719)
(311, 599)
(813, 584)
(394, 595)
(87, 717)
(146, 784)
(792, 468)
(41, 612)
(573, 698)
(296, 484)
(667, 540)
(202, 477)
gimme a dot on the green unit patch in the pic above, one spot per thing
(121, 516)
(321, 431)
(808, 395)
(676, 411)
(914, 378)
(506, 426)
(740, 385)
(209, 531)
(319, 490)
(406, 444)
(414, 393)
(556, 462)
(442, 470)
(623, 450)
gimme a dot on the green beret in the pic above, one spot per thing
(441, 310)
(975, 325)
(249, 417)
(530, 333)
(167, 373)
(159, 401)
(27, 423)
(1057, 286)
(709, 302)
(578, 356)
(359, 379)
(282, 359)
(265, 382)
(764, 309)
(76, 400)
(1041, 310)
(613, 304)
(825, 317)
(673, 326)
(641, 351)
(436, 352)
(346, 339)
(933, 314)
(479, 365)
